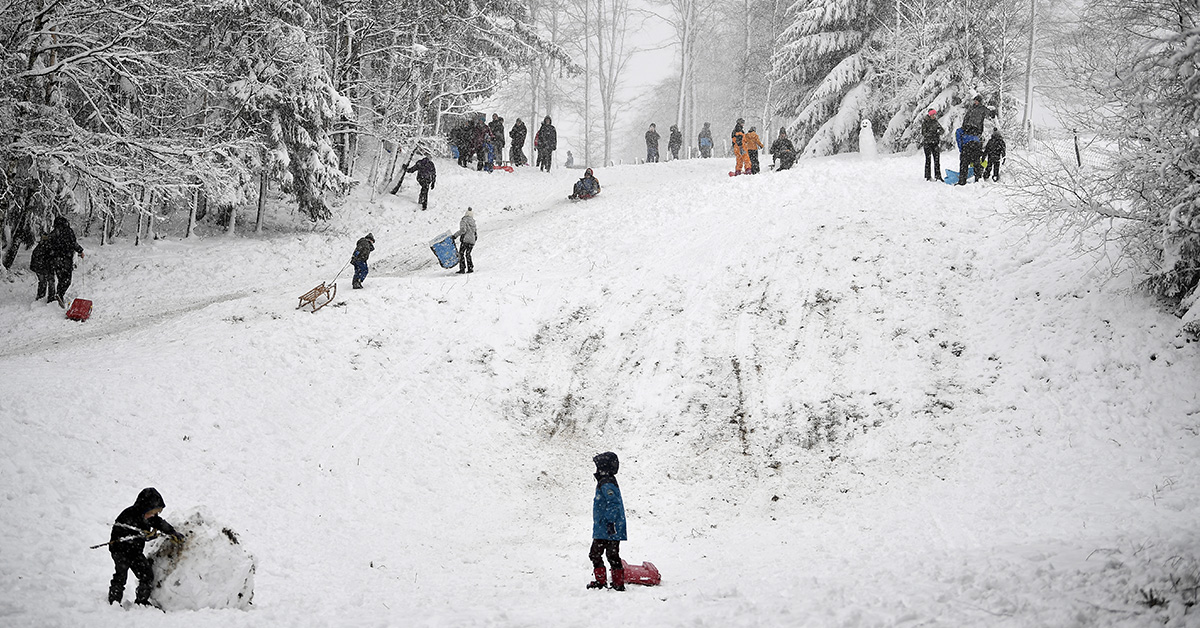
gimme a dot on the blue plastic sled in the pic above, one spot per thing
(951, 177)
(443, 247)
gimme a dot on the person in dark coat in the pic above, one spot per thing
(481, 144)
(995, 151)
(546, 142)
(426, 178)
(706, 142)
(652, 144)
(517, 149)
(130, 531)
(39, 263)
(783, 150)
(931, 142)
(467, 234)
(63, 247)
(460, 139)
(587, 187)
(971, 139)
(608, 523)
(362, 252)
(675, 142)
(496, 126)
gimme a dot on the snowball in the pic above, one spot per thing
(210, 569)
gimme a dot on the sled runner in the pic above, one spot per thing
(443, 247)
(645, 573)
(80, 310)
(318, 297)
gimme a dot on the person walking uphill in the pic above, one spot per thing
(130, 531)
(63, 246)
(426, 178)
(545, 142)
(652, 145)
(675, 142)
(608, 523)
(466, 234)
(931, 142)
(362, 252)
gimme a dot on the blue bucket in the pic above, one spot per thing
(443, 247)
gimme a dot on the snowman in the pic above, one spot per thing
(866, 141)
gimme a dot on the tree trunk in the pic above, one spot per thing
(262, 201)
(1027, 119)
(191, 224)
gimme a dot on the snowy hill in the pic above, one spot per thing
(842, 396)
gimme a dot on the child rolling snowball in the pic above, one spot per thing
(133, 527)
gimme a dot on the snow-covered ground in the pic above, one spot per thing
(842, 396)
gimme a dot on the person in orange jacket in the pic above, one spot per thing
(753, 145)
(737, 140)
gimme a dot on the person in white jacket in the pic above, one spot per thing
(466, 236)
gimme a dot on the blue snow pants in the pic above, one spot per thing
(360, 270)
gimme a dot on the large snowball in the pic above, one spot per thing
(211, 569)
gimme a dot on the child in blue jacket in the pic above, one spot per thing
(608, 523)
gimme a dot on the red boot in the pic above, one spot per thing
(601, 578)
(618, 583)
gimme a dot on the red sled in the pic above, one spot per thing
(80, 310)
(645, 573)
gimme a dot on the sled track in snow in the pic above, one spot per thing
(89, 331)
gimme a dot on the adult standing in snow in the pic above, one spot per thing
(39, 263)
(362, 252)
(651, 145)
(496, 126)
(426, 178)
(63, 247)
(783, 150)
(753, 145)
(466, 234)
(460, 138)
(517, 149)
(481, 142)
(546, 142)
(995, 151)
(608, 523)
(705, 141)
(675, 142)
(970, 147)
(130, 531)
(931, 142)
(737, 141)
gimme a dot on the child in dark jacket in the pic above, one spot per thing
(130, 531)
(995, 152)
(426, 178)
(362, 252)
(608, 523)
(587, 187)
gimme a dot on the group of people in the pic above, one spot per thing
(53, 261)
(973, 154)
(674, 143)
(484, 142)
(745, 145)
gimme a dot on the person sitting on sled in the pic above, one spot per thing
(362, 252)
(587, 187)
(130, 531)
(608, 523)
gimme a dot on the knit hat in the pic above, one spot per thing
(470, 211)
(751, 129)
(933, 112)
(370, 237)
(607, 463)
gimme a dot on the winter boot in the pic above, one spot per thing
(356, 284)
(115, 593)
(601, 579)
(618, 583)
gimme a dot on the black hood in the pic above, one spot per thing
(148, 500)
(61, 223)
(606, 463)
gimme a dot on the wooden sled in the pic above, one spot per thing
(318, 297)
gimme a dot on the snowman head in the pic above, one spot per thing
(866, 125)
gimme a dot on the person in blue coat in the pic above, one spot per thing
(587, 187)
(608, 523)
